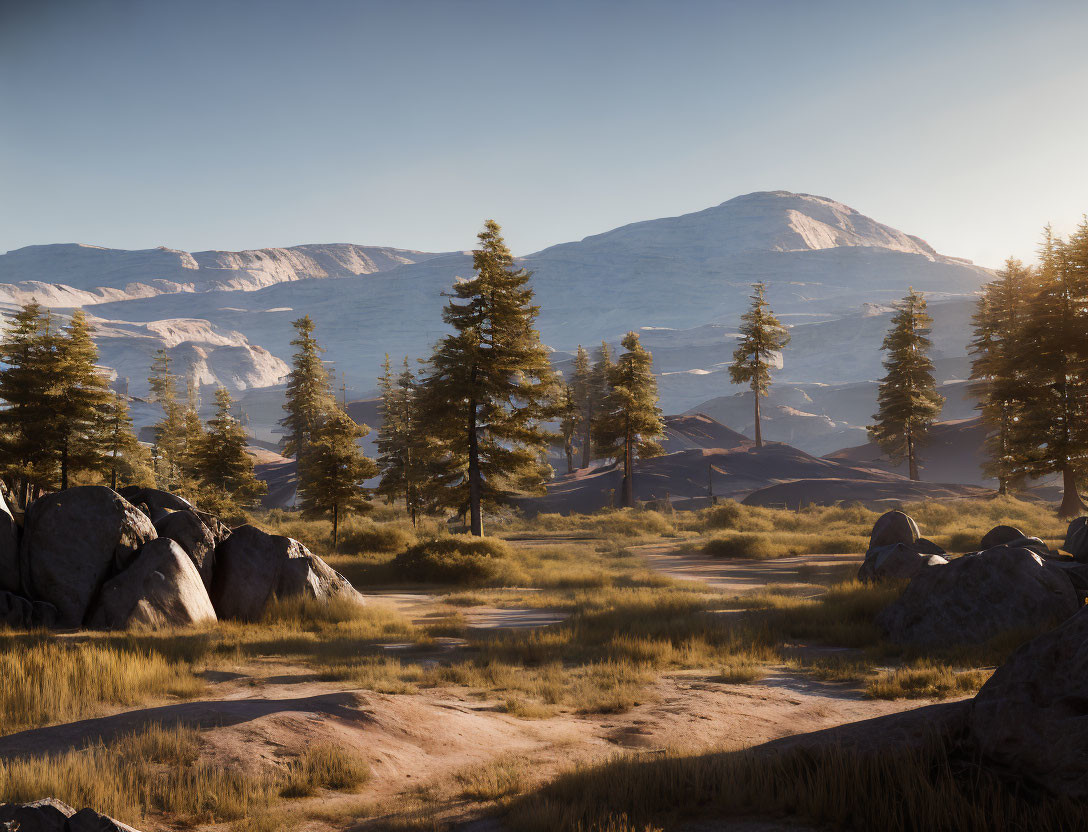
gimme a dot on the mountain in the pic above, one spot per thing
(831, 273)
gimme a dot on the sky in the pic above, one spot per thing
(230, 124)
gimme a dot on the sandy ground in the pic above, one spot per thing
(268, 711)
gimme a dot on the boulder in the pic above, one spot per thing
(50, 815)
(156, 500)
(160, 588)
(252, 567)
(73, 541)
(220, 530)
(1076, 540)
(1031, 717)
(9, 549)
(928, 547)
(190, 532)
(1000, 535)
(23, 614)
(893, 527)
(979, 596)
(900, 560)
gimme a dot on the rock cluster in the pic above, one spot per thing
(93, 557)
(50, 815)
(1012, 583)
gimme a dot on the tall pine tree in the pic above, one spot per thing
(598, 386)
(169, 450)
(908, 402)
(126, 461)
(997, 369)
(309, 392)
(336, 470)
(583, 401)
(221, 464)
(762, 338)
(402, 444)
(569, 420)
(629, 421)
(488, 388)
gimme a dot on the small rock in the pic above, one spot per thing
(23, 614)
(1000, 535)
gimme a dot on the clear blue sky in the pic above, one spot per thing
(245, 124)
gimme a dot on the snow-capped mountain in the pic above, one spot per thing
(831, 274)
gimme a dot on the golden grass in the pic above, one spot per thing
(926, 681)
(898, 790)
(767, 545)
(46, 681)
(492, 780)
(324, 766)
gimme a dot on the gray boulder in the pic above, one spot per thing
(1000, 535)
(161, 588)
(1031, 717)
(979, 596)
(252, 567)
(9, 549)
(189, 531)
(51, 815)
(893, 527)
(1076, 540)
(23, 614)
(220, 530)
(154, 499)
(895, 562)
(928, 547)
(73, 541)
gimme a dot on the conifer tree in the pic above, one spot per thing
(762, 337)
(599, 385)
(26, 362)
(583, 402)
(908, 401)
(80, 395)
(630, 420)
(126, 460)
(222, 466)
(401, 441)
(1053, 422)
(570, 418)
(309, 395)
(336, 470)
(169, 448)
(998, 380)
(192, 432)
(489, 387)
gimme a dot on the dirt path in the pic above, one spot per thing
(731, 575)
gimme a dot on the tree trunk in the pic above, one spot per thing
(410, 504)
(113, 472)
(476, 520)
(64, 465)
(759, 433)
(912, 460)
(587, 449)
(1072, 505)
(628, 471)
(570, 458)
(335, 525)
(710, 481)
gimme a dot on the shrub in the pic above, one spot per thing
(453, 560)
(753, 546)
(725, 515)
(375, 537)
(324, 766)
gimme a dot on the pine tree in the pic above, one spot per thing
(908, 402)
(309, 392)
(80, 396)
(570, 417)
(583, 401)
(26, 362)
(599, 386)
(336, 469)
(126, 460)
(997, 369)
(1053, 422)
(488, 388)
(401, 442)
(630, 420)
(762, 338)
(222, 466)
(192, 432)
(169, 450)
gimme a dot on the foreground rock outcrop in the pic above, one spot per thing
(73, 541)
(253, 567)
(978, 596)
(89, 557)
(897, 550)
(1031, 717)
(51, 815)
(161, 588)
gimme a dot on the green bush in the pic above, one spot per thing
(453, 560)
(376, 537)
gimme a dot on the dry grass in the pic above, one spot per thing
(47, 681)
(898, 790)
(926, 681)
(492, 780)
(324, 766)
(767, 545)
